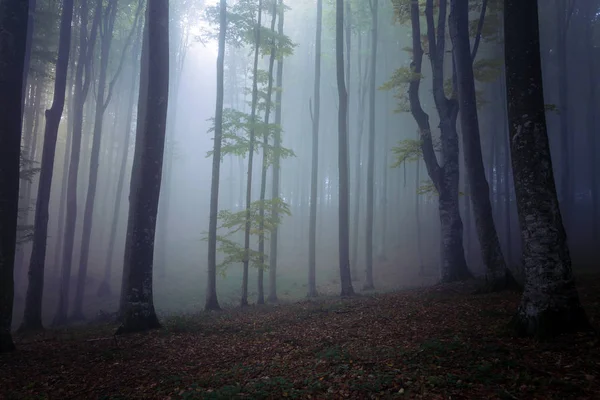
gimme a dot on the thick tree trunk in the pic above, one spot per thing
(314, 176)
(212, 303)
(139, 313)
(592, 134)
(344, 256)
(550, 303)
(32, 319)
(276, 169)
(498, 276)
(13, 25)
(371, 157)
(244, 297)
(453, 263)
(83, 79)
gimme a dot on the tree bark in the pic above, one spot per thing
(212, 303)
(276, 169)
(550, 303)
(314, 175)
(13, 44)
(265, 166)
(139, 313)
(244, 298)
(498, 276)
(371, 158)
(344, 256)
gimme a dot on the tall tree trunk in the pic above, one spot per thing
(83, 79)
(265, 166)
(314, 176)
(498, 276)
(362, 91)
(550, 303)
(591, 118)
(371, 163)
(32, 319)
(244, 299)
(103, 98)
(138, 310)
(13, 22)
(276, 169)
(343, 229)
(212, 302)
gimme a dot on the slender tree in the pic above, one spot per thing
(138, 309)
(252, 140)
(550, 304)
(212, 302)
(371, 158)
(83, 80)
(276, 167)
(344, 237)
(13, 22)
(32, 319)
(498, 275)
(314, 176)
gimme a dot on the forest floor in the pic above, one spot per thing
(441, 342)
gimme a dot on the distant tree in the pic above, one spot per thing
(212, 302)
(550, 304)
(32, 319)
(314, 177)
(276, 165)
(137, 308)
(344, 235)
(83, 81)
(13, 25)
(371, 155)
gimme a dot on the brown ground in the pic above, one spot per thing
(435, 343)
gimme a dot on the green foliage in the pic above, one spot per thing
(236, 136)
(233, 222)
(552, 108)
(407, 150)
(427, 188)
(398, 82)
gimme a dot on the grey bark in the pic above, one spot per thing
(371, 157)
(212, 303)
(265, 166)
(244, 297)
(550, 304)
(276, 169)
(343, 229)
(314, 175)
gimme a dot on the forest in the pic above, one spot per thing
(212, 199)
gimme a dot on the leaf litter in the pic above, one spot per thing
(441, 342)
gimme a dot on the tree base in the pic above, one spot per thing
(31, 326)
(6, 343)
(136, 322)
(368, 287)
(103, 289)
(347, 292)
(244, 303)
(77, 316)
(59, 320)
(272, 298)
(550, 322)
(212, 304)
(504, 283)
(312, 293)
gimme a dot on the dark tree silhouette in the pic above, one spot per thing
(550, 303)
(137, 310)
(13, 43)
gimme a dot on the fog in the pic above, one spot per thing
(406, 217)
